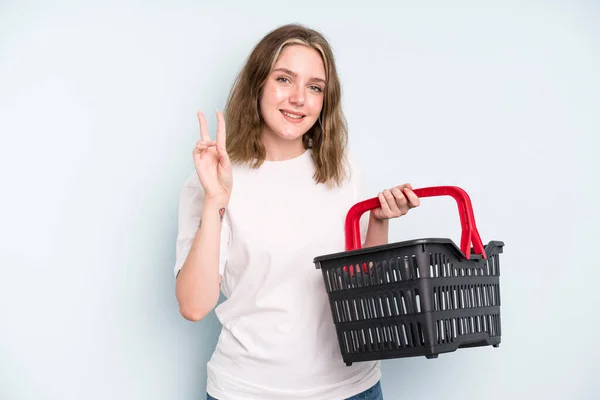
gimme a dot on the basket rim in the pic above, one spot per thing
(411, 242)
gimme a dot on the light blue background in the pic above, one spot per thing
(97, 123)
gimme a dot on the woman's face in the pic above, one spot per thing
(292, 98)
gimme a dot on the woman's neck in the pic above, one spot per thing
(279, 149)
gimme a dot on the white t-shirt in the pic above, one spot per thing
(278, 340)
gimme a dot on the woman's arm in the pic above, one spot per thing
(198, 281)
(377, 232)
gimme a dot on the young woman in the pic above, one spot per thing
(267, 196)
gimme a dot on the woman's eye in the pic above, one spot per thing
(316, 89)
(283, 79)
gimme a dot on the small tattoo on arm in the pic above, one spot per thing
(221, 213)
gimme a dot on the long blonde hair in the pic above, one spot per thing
(327, 137)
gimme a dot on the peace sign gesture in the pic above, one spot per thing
(212, 162)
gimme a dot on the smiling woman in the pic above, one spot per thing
(282, 156)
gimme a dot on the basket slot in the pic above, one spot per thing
(449, 329)
(415, 265)
(345, 311)
(486, 297)
(494, 262)
(397, 304)
(379, 338)
(388, 343)
(361, 310)
(336, 279)
(347, 343)
(398, 267)
(337, 314)
(362, 275)
(403, 308)
(372, 307)
(385, 304)
(444, 331)
(331, 277)
(412, 309)
(470, 297)
(408, 268)
(386, 271)
(464, 296)
(379, 275)
(367, 303)
(440, 266)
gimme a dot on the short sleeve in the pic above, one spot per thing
(360, 191)
(190, 213)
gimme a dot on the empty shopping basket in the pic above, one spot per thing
(419, 297)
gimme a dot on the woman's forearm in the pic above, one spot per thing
(377, 232)
(198, 282)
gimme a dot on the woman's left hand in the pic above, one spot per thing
(395, 202)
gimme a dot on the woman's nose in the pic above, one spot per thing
(297, 95)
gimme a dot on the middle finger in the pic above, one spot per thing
(392, 202)
(400, 199)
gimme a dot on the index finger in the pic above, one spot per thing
(203, 127)
(221, 129)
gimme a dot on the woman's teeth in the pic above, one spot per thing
(292, 115)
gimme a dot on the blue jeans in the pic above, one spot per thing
(373, 393)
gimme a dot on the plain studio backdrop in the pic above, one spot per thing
(97, 116)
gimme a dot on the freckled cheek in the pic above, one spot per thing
(279, 94)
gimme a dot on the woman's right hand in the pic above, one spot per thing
(212, 162)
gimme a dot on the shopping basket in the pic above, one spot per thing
(419, 297)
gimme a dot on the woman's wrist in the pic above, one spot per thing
(215, 206)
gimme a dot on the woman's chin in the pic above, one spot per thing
(289, 134)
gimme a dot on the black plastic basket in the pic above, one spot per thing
(414, 298)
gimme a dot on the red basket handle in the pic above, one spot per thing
(469, 235)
